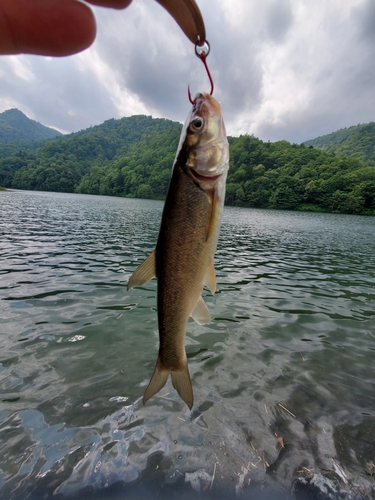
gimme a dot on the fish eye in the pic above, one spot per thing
(197, 123)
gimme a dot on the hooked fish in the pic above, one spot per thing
(183, 258)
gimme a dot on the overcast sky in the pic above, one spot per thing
(283, 69)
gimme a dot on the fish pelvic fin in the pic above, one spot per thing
(144, 272)
(157, 382)
(182, 383)
(200, 313)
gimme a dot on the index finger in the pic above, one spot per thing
(45, 27)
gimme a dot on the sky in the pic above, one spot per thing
(283, 69)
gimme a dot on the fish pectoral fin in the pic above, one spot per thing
(182, 383)
(144, 272)
(210, 277)
(200, 313)
(215, 208)
(157, 382)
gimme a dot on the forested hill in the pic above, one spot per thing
(133, 157)
(17, 127)
(61, 164)
(356, 142)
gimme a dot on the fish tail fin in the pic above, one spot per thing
(157, 382)
(182, 383)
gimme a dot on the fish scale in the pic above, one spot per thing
(183, 258)
(180, 260)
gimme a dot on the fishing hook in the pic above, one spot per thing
(202, 52)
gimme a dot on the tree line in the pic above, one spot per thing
(357, 142)
(133, 157)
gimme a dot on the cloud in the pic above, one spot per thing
(317, 79)
(283, 69)
(364, 15)
(56, 92)
(279, 20)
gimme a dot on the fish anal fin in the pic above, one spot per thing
(157, 382)
(182, 383)
(200, 313)
(144, 272)
(210, 277)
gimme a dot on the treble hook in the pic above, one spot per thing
(202, 52)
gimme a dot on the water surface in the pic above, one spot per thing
(283, 376)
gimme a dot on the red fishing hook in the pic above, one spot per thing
(202, 52)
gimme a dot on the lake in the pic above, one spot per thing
(283, 376)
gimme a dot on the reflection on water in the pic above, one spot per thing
(283, 377)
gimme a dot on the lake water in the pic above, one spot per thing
(283, 376)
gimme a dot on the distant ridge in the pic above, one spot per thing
(15, 126)
(356, 142)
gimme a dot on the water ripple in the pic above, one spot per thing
(289, 353)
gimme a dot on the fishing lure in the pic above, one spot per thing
(188, 16)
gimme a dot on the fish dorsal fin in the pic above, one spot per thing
(200, 313)
(144, 272)
(210, 277)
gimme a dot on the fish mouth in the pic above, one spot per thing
(211, 179)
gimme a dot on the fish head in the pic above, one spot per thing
(204, 144)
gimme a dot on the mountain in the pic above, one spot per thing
(17, 127)
(61, 164)
(133, 157)
(357, 142)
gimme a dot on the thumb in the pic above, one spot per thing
(45, 27)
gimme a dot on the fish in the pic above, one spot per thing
(182, 260)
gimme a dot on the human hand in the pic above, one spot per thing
(64, 27)
(49, 27)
